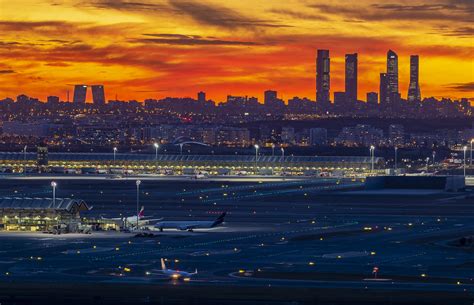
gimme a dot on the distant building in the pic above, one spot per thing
(80, 92)
(392, 78)
(288, 135)
(322, 78)
(340, 101)
(98, 94)
(318, 136)
(372, 98)
(53, 99)
(396, 134)
(360, 135)
(384, 90)
(269, 96)
(233, 136)
(201, 96)
(42, 157)
(414, 93)
(351, 78)
(271, 100)
(29, 129)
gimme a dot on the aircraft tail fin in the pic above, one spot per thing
(163, 266)
(141, 214)
(219, 219)
(195, 271)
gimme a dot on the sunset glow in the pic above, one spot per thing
(153, 49)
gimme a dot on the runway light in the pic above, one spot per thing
(241, 271)
(78, 252)
(367, 228)
(7, 273)
(94, 247)
(321, 238)
(175, 276)
(458, 283)
(116, 249)
(39, 258)
(126, 269)
(311, 263)
(423, 275)
(339, 256)
(147, 273)
(186, 279)
(410, 224)
(235, 249)
(176, 260)
(372, 253)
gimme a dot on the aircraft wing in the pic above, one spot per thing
(152, 220)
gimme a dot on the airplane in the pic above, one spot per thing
(132, 220)
(190, 225)
(176, 274)
(201, 175)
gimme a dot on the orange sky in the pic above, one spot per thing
(152, 49)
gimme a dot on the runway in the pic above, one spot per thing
(294, 232)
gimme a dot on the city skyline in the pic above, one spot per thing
(234, 48)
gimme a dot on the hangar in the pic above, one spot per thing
(41, 214)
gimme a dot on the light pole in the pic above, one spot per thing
(470, 162)
(180, 149)
(396, 159)
(138, 198)
(53, 185)
(465, 150)
(156, 150)
(256, 156)
(273, 149)
(282, 157)
(372, 155)
(427, 163)
(115, 151)
(24, 158)
(434, 156)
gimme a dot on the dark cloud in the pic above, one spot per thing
(6, 71)
(433, 11)
(58, 64)
(465, 87)
(28, 26)
(178, 39)
(220, 16)
(299, 15)
(461, 32)
(124, 5)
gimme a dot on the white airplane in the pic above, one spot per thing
(132, 220)
(190, 225)
(176, 274)
(200, 175)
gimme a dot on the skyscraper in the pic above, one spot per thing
(384, 90)
(414, 93)
(322, 77)
(351, 78)
(392, 77)
(80, 92)
(98, 95)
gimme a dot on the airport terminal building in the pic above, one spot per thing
(214, 164)
(41, 214)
